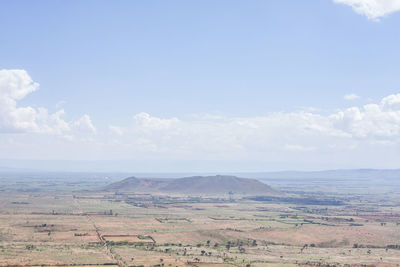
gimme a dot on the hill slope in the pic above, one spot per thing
(193, 185)
(139, 185)
(217, 184)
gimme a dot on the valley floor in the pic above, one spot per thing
(89, 228)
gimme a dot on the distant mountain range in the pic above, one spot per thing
(218, 184)
(328, 174)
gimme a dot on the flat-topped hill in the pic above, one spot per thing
(138, 185)
(218, 184)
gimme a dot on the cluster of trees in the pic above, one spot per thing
(240, 243)
(393, 246)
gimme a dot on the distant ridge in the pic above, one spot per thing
(138, 184)
(329, 174)
(218, 184)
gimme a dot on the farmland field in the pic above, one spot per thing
(72, 225)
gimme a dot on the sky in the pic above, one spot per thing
(200, 85)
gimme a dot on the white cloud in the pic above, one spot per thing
(373, 9)
(116, 130)
(84, 125)
(145, 121)
(350, 97)
(219, 136)
(391, 103)
(14, 86)
(371, 121)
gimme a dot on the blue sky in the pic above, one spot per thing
(109, 64)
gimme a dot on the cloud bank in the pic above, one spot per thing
(355, 133)
(372, 9)
(295, 131)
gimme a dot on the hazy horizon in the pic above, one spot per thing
(145, 167)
